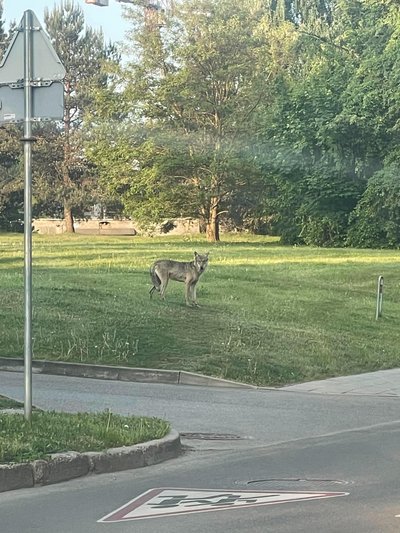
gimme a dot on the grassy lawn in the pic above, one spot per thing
(52, 432)
(270, 314)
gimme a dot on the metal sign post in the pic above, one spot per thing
(31, 89)
(27, 140)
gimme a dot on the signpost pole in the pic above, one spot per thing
(30, 58)
(27, 140)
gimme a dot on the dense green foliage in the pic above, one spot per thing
(11, 197)
(273, 114)
(82, 50)
(278, 116)
(64, 181)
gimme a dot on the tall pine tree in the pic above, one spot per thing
(11, 186)
(82, 51)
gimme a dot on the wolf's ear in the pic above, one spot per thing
(196, 254)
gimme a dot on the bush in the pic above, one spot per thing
(375, 222)
(327, 230)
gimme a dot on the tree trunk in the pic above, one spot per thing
(69, 220)
(68, 217)
(202, 225)
(213, 223)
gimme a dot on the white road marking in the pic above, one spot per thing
(171, 502)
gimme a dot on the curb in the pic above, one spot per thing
(119, 373)
(71, 465)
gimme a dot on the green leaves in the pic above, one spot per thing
(193, 89)
(375, 223)
(278, 111)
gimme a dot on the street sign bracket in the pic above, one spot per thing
(19, 84)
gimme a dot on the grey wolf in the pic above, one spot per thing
(188, 272)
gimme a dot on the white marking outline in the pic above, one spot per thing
(145, 497)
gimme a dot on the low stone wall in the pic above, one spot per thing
(54, 226)
(48, 226)
(105, 227)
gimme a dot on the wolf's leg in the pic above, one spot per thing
(163, 287)
(188, 293)
(154, 288)
(194, 297)
(191, 294)
(155, 280)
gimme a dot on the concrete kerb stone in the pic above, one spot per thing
(115, 460)
(18, 476)
(137, 456)
(157, 451)
(140, 375)
(70, 465)
(60, 467)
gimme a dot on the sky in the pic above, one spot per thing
(108, 18)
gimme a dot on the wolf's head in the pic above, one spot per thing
(200, 261)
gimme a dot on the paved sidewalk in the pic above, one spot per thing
(380, 383)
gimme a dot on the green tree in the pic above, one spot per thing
(193, 88)
(11, 185)
(83, 52)
(301, 11)
(321, 163)
(11, 180)
(371, 115)
(373, 112)
(375, 222)
(3, 33)
(316, 116)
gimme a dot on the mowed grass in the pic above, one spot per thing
(269, 315)
(52, 432)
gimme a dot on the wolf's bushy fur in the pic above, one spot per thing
(188, 272)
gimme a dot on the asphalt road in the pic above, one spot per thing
(290, 442)
(261, 416)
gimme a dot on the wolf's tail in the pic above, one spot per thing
(155, 280)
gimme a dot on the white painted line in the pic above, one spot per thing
(171, 502)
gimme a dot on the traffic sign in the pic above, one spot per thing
(47, 102)
(45, 63)
(170, 502)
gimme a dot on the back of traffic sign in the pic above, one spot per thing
(47, 103)
(45, 62)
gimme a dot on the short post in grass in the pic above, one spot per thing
(379, 298)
